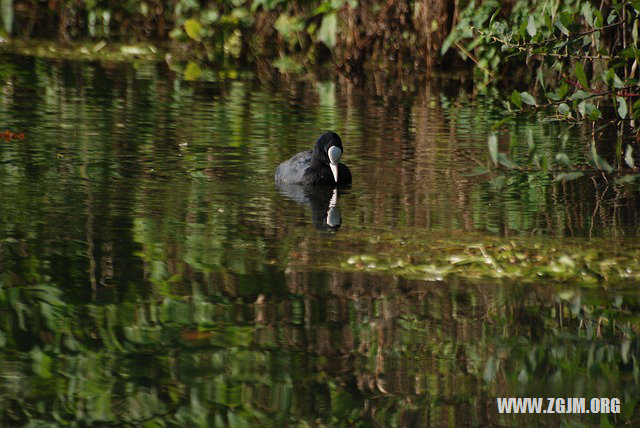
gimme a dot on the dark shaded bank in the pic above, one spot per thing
(535, 46)
(394, 35)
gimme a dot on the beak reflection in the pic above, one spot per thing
(325, 212)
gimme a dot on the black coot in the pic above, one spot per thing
(320, 166)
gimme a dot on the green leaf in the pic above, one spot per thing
(629, 53)
(493, 17)
(544, 164)
(563, 109)
(594, 113)
(598, 21)
(636, 109)
(568, 176)
(523, 376)
(178, 34)
(6, 12)
(41, 363)
(578, 71)
(516, 99)
(287, 25)
(562, 90)
(501, 122)
(599, 162)
(286, 64)
(629, 178)
(611, 78)
(209, 16)
(522, 29)
(586, 12)
(540, 77)
(452, 37)
(566, 18)
(324, 8)
(475, 172)
(498, 182)
(531, 26)
(617, 82)
(527, 98)
(563, 159)
(493, 148)
(328, 29)
(562, 28)
(475, 43)
(628, 157)
(579, 95)
(547, 20)
(622, 107)
(505, 161)
(588, 110)
(192, 71)
(193, 29)
(604, 422)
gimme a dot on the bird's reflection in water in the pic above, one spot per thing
(325, 213)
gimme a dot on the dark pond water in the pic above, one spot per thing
(151, 273)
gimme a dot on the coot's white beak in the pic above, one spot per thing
(334, 159)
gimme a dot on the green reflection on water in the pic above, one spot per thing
(151, 273)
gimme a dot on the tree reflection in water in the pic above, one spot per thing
(151, 273)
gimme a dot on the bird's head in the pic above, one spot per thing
(328, 150)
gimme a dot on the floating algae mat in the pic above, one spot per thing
(570, 261)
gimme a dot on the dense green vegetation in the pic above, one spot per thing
(287, 33)
(576, 60)
(552, 37)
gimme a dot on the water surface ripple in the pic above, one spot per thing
(151, 272)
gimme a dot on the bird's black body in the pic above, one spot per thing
(312, 166)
